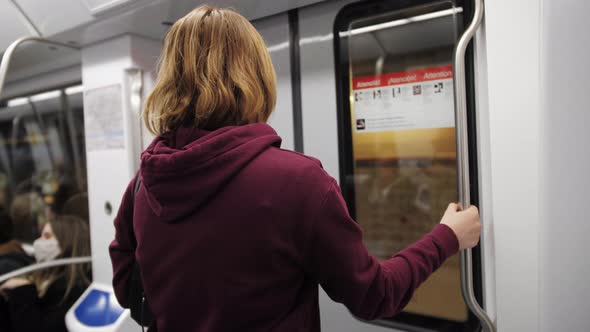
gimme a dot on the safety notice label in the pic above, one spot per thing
(103, 118)
(414, 99)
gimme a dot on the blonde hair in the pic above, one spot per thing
(214, 71)
(73, 236)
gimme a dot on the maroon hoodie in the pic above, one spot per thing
(235, 234)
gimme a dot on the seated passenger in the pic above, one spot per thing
(39, 302)
(12, 255)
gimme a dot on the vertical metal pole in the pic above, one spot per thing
(463, 162)
(135, 86)
(296, 79)
(73, 132)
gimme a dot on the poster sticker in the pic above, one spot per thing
(416, 99)
(103, 118)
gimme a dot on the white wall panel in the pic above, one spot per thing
(488, 240)
(318, 85)
(275, 31)
(513, 60)
(565, 179)
(110, 170)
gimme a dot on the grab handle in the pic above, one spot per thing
(5, 63)
(463, 162)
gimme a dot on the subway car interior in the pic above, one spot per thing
(409, 105)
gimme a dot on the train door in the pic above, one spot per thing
(387, 130)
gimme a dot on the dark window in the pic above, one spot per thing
(42, 161)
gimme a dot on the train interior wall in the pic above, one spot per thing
(532, 73)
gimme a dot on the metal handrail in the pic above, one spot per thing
(12, 48)
(463, 162)
(45, 265)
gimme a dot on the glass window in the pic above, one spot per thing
(42, 161)
(398, 153)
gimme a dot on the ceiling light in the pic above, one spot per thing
(403, 21)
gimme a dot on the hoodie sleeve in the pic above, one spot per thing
(370, 289)
(122, 249)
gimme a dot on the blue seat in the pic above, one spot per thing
(98, 308)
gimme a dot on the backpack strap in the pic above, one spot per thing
(136, 187)
(138, 305)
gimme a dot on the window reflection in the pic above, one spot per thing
(42, 162)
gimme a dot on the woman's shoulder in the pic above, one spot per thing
(298, 158)
(291, 173)
(296, 165)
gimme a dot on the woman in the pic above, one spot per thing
(232, 233)
(39, 302)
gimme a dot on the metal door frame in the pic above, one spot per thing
(363, 9)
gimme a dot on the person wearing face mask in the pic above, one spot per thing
(40, 301)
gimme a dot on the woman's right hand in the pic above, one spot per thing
(465, 224)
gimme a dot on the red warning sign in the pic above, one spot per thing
(415, 99)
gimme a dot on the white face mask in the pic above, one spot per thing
(46, 250)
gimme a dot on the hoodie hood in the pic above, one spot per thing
(182, 170)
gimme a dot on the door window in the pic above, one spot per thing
(397, 139)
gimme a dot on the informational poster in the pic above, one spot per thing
(416, 99)
(103, 118)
